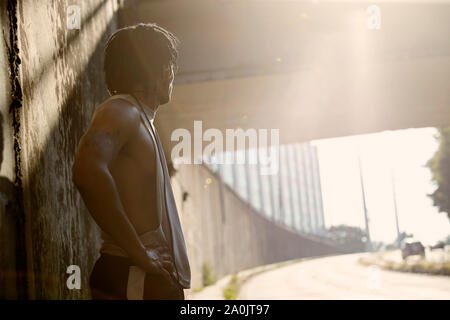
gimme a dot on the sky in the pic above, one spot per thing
(398, 156)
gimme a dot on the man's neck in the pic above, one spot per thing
(151, 112)
(150, 107)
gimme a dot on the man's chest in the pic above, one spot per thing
(142, 149)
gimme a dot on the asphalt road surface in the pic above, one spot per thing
(342, 277)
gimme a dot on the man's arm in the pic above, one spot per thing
(110, 129)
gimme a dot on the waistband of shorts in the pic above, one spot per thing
(150, 239)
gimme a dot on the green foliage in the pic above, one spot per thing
(414, 265)
(230, 292)
(403, 235)
(208, 276)
(198, 289)
(447, 240)
(440, 170)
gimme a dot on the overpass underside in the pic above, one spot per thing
(313, 69)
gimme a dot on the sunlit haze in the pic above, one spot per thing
(403, 152)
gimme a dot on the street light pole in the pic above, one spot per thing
(366, 215)
(395, 208)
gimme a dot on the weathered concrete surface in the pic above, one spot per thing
(226, 233)
(62, 82)
(8, 209)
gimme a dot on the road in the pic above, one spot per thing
(342, 277)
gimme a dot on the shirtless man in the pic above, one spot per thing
(115, 167)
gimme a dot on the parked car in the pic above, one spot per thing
(412, 248)
(439, 245)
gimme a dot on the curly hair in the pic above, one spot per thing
(138, 55)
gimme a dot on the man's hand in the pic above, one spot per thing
(156, 262)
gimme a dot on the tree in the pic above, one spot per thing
(350, 239)
(440, 170)
(402, 236)
(447, 240)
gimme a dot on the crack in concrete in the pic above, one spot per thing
(14, 109)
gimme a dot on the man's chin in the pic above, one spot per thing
(165, 101)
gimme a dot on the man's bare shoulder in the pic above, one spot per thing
(114, 122)
(117, 108)
(116, 113)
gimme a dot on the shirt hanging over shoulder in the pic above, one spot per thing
(170, 226)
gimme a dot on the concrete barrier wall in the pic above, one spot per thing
(59, 71)
(225, 233)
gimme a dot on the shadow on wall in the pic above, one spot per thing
(61, 232)
(8, 214)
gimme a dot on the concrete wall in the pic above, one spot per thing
(226, 233)
(62, 83)
(60, 78)
(9, 214)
